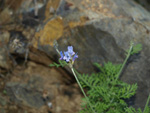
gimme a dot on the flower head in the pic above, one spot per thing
(68, 56)
(70, 50)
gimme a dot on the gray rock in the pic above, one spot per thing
(105, 37)
(61, 7)
(134, 26)
(97, 46)
(110, 27)
(22, 94)
(144, 3)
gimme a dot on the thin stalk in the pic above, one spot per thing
(83, 80)
(125, 61)
(58, 51)
(146, 104)
(55, 44)
(82, 90)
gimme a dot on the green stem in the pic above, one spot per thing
(146, 104)
(82, 89)
(57, 51)
(83, 79)
(125, 61)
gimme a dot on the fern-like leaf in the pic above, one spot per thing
(136, 49)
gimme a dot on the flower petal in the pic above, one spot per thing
(62, 56)
(67, 57)
(75, 56)
(70, 50)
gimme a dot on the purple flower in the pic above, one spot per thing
(62, 56)
(69, 55)
(75, 56)
(70, 50)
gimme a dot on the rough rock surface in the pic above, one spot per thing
(99, 31)
(144, 3)
(42, 90)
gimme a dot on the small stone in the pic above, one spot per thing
(51, 10)
(49, 104)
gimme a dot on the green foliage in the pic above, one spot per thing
(136, 49)
(4, 92)
(132, 110)
(61, 63)
(104, 92)
(146, 109)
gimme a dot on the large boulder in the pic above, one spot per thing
(101, 31)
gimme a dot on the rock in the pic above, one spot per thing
(24, 6)
(15, 6)
(144, 3)
(5, 61)
(99, 31)
(34, 85)
(37, 85)
(103, 35)
(18, 43)
(20, 94)
(3, 101)
(52, 10)
(133, 26)
(5, 16)
(65, 7)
